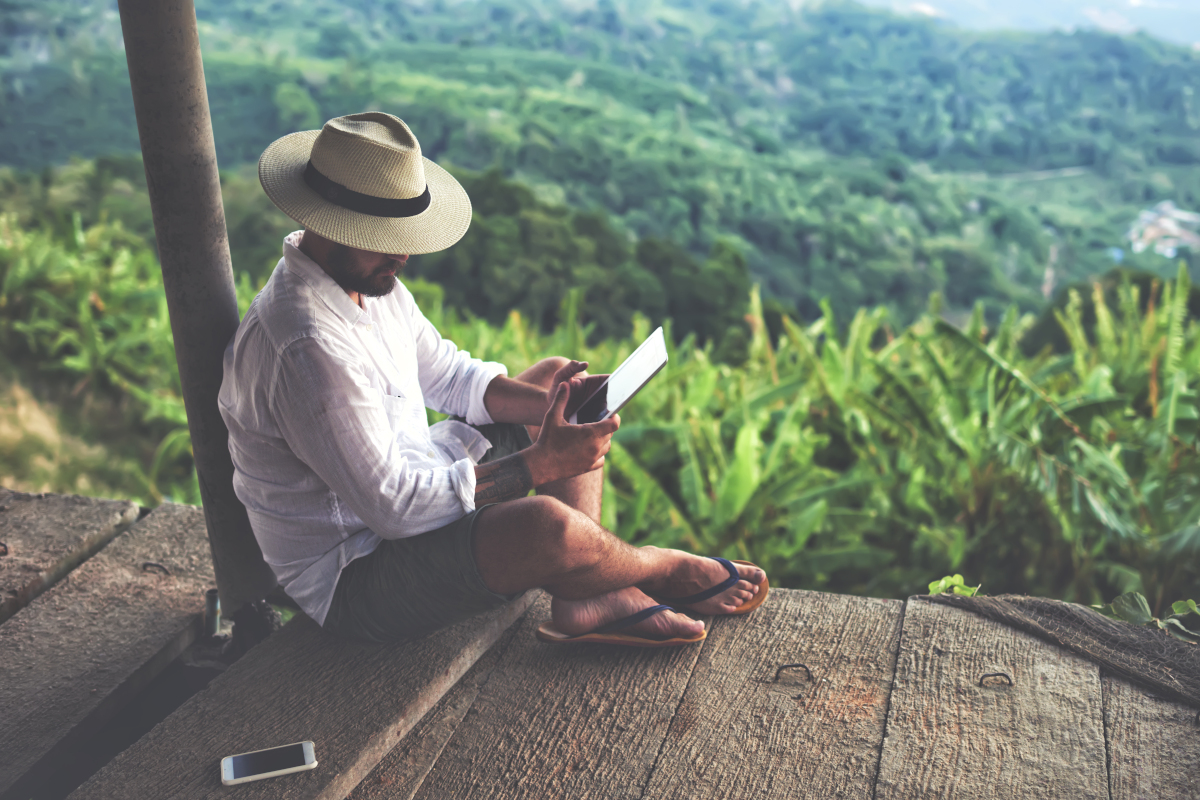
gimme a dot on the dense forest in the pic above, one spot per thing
(847, 154)
(849, 455)
(909, 335)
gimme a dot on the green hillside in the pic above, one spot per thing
(839, 150)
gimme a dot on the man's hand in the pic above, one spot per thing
(581, 386)
(564, 450)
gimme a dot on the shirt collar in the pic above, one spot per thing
(325, 287)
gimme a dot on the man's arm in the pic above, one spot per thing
(452, 381)
(508, 400)
(562, 451)
(335, 422)
(503, 479)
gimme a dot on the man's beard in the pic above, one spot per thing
(379, 283)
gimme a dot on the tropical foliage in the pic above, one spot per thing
(1133, 608)
(88, 315)
(861, 457)
(520, 252)
(525, 254)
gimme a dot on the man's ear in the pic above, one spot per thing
(314, 245)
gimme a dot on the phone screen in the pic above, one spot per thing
(276, 758)
(596, 406)
(623, 384)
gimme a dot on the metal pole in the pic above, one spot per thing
(169, 96)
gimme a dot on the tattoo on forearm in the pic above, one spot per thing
(503, 479)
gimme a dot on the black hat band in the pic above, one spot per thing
(346, 198)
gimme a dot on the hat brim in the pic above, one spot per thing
(281, 173)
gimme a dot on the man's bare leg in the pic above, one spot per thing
(584, 493)
(593, 576)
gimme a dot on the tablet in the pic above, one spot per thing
(625, 382)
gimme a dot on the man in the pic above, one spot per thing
(377, 524)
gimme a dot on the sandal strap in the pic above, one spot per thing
(625, 622)
(712, 591)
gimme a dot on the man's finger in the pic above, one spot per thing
(570, 370)
(561, 393)
(605, 427)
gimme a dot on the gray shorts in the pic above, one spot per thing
(413, 586)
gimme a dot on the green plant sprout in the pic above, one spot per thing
(953, 584)
(1133, 608)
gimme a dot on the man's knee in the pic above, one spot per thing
(565, 536)
(535, 540)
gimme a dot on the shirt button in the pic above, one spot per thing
(429, 453)
(370, 327)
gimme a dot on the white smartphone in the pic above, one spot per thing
(259, 764)
(626, 381)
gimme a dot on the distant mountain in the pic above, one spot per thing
(846, 152)
(1173, 20)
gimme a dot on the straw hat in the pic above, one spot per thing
(361, 181)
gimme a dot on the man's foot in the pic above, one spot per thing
(695, 574)
(575, 617)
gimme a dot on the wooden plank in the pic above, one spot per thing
(1152, 744)
(400, 774)
(78, 653)
(750, 726)
(947, 736)
(45, 536)
(354, 701)
(552, 721)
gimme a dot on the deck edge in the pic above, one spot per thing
(887, 714)
(108, 708)
(379, 745)
(90, 545)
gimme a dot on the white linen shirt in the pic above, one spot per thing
(325, 404)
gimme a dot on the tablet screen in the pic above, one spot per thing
(631, 376)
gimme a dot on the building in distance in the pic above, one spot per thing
(1165, 228)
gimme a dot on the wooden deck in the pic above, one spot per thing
(811, 696)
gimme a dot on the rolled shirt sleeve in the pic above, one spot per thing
(336, 422)
(453, 382)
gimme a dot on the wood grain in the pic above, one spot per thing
(1153, 745)
(78, 653)
(563, 721)
(949, 737)
(354, 701)
(400, 774)
(48, 535)
(743, 732)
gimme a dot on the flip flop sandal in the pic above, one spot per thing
(605, 633)
(713, 591)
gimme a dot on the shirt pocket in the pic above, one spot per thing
(396, 407)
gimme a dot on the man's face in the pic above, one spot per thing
(368, 273)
